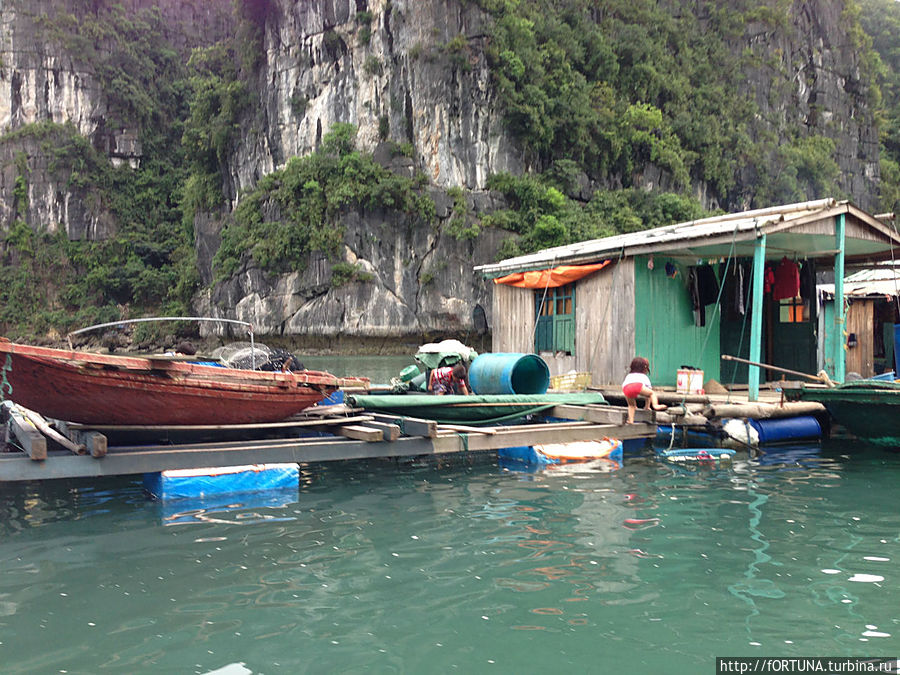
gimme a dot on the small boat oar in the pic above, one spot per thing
(822, 377)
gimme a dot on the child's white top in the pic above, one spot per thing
(637, 377)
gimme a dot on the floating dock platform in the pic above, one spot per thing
(37, 449)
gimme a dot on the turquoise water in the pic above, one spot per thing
(416, 567)
(460, 565)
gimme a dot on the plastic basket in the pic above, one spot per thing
(570, 382)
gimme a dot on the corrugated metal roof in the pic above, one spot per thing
(743, 226)
(883, 280)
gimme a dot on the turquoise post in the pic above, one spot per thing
(839, 339)
(756, 317)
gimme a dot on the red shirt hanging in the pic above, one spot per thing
(787, 280)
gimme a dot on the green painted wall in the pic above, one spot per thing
(828, 339)
(664, 323)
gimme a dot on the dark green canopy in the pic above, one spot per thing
(472, 410)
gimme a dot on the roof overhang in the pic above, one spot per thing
(805, 230)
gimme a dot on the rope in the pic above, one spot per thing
(465, 441)
(5, 385)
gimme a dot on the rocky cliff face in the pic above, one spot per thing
(43, 79)
(416, 281)
(402, 71)
(809, 75)
(385, 67)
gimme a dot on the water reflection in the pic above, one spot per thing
(411, 566)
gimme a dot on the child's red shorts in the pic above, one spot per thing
(632, 389)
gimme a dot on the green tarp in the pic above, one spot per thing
(471, 410)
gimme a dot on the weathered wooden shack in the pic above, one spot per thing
(872, 312)
(741, 284)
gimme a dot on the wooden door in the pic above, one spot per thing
(860, 338)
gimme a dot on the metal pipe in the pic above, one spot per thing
(171, 318)
(819, 378)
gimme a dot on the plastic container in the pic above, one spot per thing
(409, 373)
(199, 483)
(505, 373)
(787, 429)
(689, 381)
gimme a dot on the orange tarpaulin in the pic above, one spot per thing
(551, 278)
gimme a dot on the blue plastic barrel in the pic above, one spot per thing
(503, 373)
(787, 428)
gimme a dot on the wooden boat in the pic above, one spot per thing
(154, 390)
(869, 408)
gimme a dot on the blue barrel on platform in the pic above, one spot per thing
(504, 373)
(787, 429)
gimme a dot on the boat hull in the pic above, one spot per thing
(113, 390)
(870, 410)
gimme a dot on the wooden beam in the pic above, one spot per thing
(32, 441)
(51, 433)
(391, 432)
(467, 429)
(316, 422)
(410, 426)
(93, 441)
(508, 437)
(359, 432)
(601, 414)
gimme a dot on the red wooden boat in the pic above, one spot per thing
(109, 389)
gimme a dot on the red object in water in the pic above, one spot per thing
(134, 390)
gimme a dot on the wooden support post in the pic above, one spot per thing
(32, 441)
(95, 442)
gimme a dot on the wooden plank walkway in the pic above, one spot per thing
(353, 435)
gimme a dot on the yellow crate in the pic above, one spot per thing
(570, 382)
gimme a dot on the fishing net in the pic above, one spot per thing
(245, 356)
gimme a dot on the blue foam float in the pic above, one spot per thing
(202, 483)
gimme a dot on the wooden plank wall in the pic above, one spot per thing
(604, 320)
(513, 317)
(604, 323)
(861, 320)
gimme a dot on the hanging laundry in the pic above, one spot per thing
(807, 279)
(787, 280)
(734, 290)
(768, 279)
(704, 289)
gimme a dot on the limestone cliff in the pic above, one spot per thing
(404, 72)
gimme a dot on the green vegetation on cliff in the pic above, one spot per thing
(639, 82)
(297, 209)
(880, 19)
(610, 91)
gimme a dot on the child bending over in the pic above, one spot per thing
(637, 383)
(449, 380)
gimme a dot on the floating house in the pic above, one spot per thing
(872, 317)
(740, 284)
